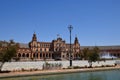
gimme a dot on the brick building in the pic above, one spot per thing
(55, 50)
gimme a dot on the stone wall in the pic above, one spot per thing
(38, 65)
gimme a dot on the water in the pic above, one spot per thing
(99, 75)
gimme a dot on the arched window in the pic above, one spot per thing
(40, 55)
(40, 49)
(27, 55)
(46, 55)
(35, 55)
(45, 49)
(23, 55)
(43, 55)
(19, 55)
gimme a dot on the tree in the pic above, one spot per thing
(85, 53)
(7, 53)
(93, 56)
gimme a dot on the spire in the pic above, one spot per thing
(34, 38)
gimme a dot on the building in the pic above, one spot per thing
(55, 50)
(112, 50)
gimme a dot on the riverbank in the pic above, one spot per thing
(54, 72)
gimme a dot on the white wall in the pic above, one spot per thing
(12, 66)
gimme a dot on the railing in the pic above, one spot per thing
(51, 66)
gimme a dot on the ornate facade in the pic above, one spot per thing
(56, 50)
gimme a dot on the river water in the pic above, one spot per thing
(98, 75)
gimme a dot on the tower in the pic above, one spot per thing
(76, 45)
(76, 49)
(34, 38)
(33, 44)
(76, 41)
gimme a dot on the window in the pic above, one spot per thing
(19, 55)
(44, 45)
(27, 55)
(40, 49)
(43, 55)
(45, 49)
(23, 55)
(40, 54)
(47, 55)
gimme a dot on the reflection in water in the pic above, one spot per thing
(100, 75)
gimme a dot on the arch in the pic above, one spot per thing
(23, 55)
(40, 55)
(35, 55)
(45, 49)
(19, 55)
(27, 55)
(40, 49)
(43, 55)
(46, 55)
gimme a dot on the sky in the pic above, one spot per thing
(95, 22)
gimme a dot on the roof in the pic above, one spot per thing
(102, 47)
(23, 45)
(44, 42)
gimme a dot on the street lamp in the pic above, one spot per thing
(70, 56)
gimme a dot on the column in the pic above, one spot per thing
(38, 55)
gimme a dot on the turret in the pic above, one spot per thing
(76, 41)
(33, 42)
(34, 38)
(76, 45)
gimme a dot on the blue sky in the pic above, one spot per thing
(95, 22)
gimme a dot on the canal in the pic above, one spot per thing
(98, 75)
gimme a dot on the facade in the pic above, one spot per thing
(56, 50)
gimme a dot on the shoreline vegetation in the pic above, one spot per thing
(54, 72)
